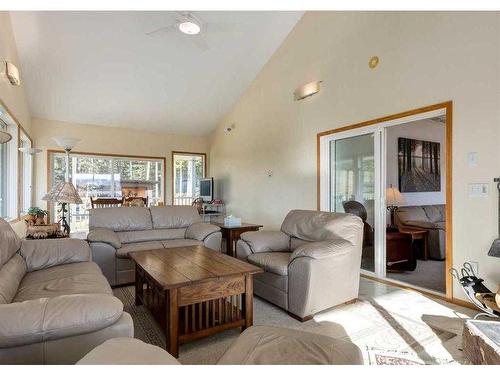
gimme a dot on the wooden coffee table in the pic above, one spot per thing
(194, 291)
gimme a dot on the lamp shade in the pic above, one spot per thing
(63, 192)
(66, 143)
(393, 197)
(4, 137)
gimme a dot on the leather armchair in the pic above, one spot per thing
(311, 264)
(55, 304)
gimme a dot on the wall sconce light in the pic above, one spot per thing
(12, 74)
(307, 90)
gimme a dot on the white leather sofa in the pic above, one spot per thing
(115, 232)
(55, 304)
(311, 264)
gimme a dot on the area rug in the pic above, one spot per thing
(389, 329)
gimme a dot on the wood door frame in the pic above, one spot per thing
(205, 166)
(448, 107)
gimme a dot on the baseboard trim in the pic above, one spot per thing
(455, 301)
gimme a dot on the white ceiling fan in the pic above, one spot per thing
(186, 23)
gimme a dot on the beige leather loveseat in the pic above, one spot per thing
(55, 304)
(431, 218)
(115, 232)
(311, 264)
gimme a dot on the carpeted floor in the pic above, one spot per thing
(429, 274)
(390, 325)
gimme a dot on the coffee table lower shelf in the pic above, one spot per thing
(194, 311)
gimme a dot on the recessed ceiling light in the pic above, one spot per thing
(189, 27)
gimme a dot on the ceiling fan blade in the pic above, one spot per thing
(166, 29)
(225, 27)
(199, 42)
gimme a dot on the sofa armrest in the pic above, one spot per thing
(104, 235)
(322, 249)
(40, 254)
(265, 241)
(46, 319)
(421, 224)
(200, 231)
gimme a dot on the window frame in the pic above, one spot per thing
(14, 183)
(172, 168)
(52, 152)
(22, 158)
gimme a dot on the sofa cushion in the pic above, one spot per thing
(179, 243)
(411, 213)
(435, 213)
(151, 235)
(127, 351)
(123, 251)
(321, 226)
(11, 275)
(266, 345)
(120, 219)
(174, 216)
(9, 242)
(275, 262)
(40, 254)
(74, 278)
(47, 319)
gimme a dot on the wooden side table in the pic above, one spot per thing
(416, 235)
(232, 234)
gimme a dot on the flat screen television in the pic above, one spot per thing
(207, 189)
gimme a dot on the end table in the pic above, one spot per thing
(232, 234)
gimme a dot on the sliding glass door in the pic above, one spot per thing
(353, 186)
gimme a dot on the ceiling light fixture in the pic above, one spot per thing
(189, 27)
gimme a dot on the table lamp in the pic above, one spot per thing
(64, 192)
(393, 199)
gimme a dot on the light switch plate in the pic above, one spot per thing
(472, 159)
(478, 190)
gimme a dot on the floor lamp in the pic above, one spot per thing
(64, 192)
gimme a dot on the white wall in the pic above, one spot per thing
(425, 58)
(424, 130)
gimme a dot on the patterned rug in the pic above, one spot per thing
(400, 327)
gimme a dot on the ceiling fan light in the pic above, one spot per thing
(189, 27)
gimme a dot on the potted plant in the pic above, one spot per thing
(36, 215)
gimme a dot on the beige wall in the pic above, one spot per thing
(424, 59)
(112, 141)
(13, 97)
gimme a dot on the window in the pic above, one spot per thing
(108, 176)
(8, 169)
(26, 161)
(187, 170)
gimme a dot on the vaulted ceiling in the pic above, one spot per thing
(102, 68)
